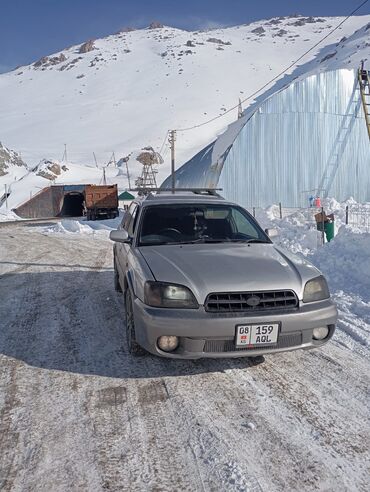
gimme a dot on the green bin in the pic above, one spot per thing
(329, 230)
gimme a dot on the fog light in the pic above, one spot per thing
(320, 333)
(168, 343)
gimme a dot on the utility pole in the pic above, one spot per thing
(96, 162)
(240, 109)
(65, 159)
(172, 139)
(128, 175)
(6, 196)
(104, 178)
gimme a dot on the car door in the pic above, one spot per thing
(124, 249)
(120, 252)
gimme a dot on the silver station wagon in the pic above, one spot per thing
(202, 279)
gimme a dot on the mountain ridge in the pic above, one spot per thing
(123, 92)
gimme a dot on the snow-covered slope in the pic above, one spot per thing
(123, 92)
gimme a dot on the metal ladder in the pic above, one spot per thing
(340, 143)
(365, 97)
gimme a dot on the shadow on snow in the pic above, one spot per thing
(74, 321)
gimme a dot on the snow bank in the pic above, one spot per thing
(68, 226)
(8, 215)
(345, 262)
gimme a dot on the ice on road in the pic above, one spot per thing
(78, 413)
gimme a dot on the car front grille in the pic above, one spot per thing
(228, 302)
(284, 341)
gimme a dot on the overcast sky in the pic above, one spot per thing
(33, 28)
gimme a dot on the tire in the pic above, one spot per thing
(117, 285)
(133, 347)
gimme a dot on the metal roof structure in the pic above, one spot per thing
(309, 137)
(125, 195)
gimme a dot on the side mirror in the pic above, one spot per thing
(272, 233)
(120, 236)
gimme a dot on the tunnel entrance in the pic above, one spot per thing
(72, 205)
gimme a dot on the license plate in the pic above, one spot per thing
(257, 334)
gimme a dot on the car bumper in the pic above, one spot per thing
(212, 335)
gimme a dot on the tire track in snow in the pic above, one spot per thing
(321, 412)
(221, 463)
(8, 435)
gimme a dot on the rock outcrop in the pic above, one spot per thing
(9, 158)
(259, 30)
(218, 41)
(47, 61)
(86, 47)
(50, 170)
(155, 25)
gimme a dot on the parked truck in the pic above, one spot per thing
(101, 202)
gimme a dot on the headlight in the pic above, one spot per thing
(161, 294)
(316, 290)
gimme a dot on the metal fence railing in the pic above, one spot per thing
(281, 212)
(358, 216)
(315, 219)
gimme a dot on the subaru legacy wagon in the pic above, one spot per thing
(201, 278)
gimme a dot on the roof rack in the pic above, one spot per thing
(196, 191)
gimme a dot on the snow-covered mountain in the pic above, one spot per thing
(122, 93)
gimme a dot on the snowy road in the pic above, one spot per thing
(78, 413)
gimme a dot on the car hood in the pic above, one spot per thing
(225, 267)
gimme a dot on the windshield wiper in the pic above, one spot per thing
(252, 240)
(203, 240)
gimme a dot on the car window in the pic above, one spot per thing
(243, 226)
(128, 216)
(180, 224)
(133, 220)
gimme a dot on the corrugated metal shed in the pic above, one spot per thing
(309, 137)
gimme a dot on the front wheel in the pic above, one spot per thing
(133, 347)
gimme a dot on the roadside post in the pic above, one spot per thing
(172, 139)
(322, 225)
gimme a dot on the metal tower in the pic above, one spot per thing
(148, 158)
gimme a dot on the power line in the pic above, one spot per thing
(164, 143)
(279, 74)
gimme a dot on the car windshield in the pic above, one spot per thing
(198, 223)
